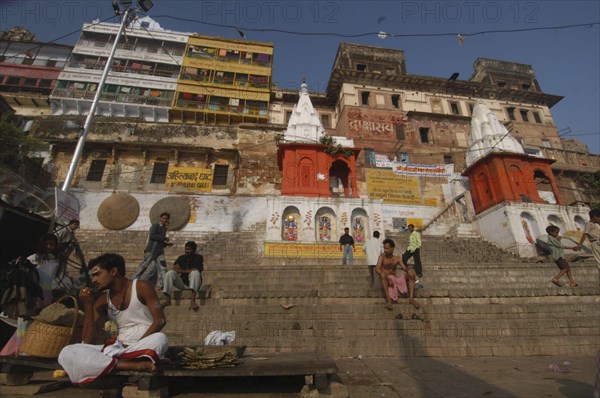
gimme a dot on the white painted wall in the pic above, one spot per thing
(210, 213)
(427, 213)
(502, 226)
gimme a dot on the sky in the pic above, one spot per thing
(566, 61)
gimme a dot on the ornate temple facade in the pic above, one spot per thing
(515, 195)
(319, 194)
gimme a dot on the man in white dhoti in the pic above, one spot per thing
(133, 305)
(592, 232)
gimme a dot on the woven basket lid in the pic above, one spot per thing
(177, 206)
(118, 211)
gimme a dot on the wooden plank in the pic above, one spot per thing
(35, 387)
(29, 362)
(279, 364)
(268, 364)
(15, 378)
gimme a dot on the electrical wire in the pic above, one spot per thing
(365, 34)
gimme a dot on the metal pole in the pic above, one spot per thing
(88, 121)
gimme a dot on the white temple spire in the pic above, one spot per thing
(304, 124)
(488, 134)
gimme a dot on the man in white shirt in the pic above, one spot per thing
(592, 232)
(373, 248)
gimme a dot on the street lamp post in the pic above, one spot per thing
(127, 16)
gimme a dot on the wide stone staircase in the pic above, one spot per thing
(477, 300)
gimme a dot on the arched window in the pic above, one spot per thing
(558, 222)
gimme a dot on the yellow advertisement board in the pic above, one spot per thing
(417, 222)
(307, 250)
(391, 188)
(189, 179)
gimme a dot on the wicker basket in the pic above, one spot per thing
(46, 341)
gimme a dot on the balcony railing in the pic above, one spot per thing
(236, 60)
(113, 97)
(132, 47)
(7, 88)
(226, 108)
(173, 74)
(226, 82)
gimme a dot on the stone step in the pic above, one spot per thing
(240, 246)
(259, 281)
(410, 338)
(477, 300)
(306, 264)
(182, 313)
(388, 329)
(461, 292)
(371, 309)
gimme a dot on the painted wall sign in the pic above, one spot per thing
(392, 188)
(191, 179)
(423, 170)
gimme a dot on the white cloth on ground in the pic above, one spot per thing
(216, 337)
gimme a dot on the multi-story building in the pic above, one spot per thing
(142, 80)
(29, 70)
(422, 119)
(223, 94)
(224, 81)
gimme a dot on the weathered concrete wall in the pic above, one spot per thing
(209, 213)
(258, 170)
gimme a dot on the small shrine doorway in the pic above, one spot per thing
(338, 175)
(544, 187)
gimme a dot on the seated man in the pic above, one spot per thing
(386, 268)
(133, 306)
(186, 274)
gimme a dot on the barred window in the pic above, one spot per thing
(220, 174)
(96, 170)
(159, 172)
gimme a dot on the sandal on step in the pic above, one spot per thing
(557, 283)
(573, 284)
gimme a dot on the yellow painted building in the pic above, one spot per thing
(223, 81)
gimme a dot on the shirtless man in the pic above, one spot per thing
(386, 268)
(134, 307)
